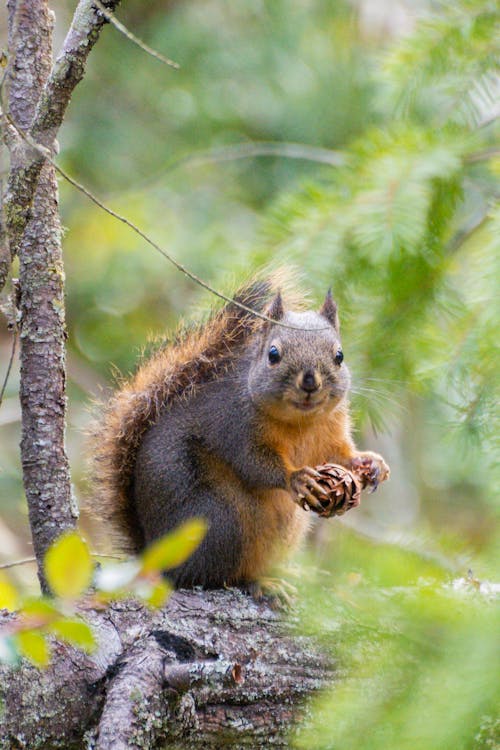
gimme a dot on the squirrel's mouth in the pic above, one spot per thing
(308, 404)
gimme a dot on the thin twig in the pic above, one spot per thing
(132, 37)
(237, 151)
(180, 267)
(486, 155)
(107, 556)
(9, 366)
(286, 149)
(5, 261)
(26, 560)
(466, 232)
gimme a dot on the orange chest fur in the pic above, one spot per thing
(309, 442)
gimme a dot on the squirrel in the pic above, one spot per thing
(226, 424)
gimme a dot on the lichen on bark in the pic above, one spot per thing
(192, 675)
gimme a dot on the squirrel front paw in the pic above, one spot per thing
(370, 468)
(305, 489)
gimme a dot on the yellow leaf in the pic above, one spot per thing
(159, 594)
(9, 597)
(41, 609)
(75, 632)
(68, 566)
(33, 646)
(174, 548)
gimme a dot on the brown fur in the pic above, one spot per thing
(209, 422)
(198, 356)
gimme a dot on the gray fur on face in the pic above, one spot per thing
(307, 353)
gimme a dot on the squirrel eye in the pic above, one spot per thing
(274, 355)
(339, 357)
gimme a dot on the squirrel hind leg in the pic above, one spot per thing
(216, 561)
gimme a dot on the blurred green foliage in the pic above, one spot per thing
(417, 656)
(406, 230)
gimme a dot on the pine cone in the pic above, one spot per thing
(343, 488)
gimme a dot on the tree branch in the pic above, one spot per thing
(68, 69)
(9, 366)
(211, 669)
(43, 115)
(180, 267)
(41, 283)
(133, 38)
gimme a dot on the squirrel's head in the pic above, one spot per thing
(299, 370)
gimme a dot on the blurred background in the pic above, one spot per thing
(358, 141)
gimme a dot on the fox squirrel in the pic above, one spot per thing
(226, 424)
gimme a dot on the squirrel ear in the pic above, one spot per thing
(276, 309)
(329, 310)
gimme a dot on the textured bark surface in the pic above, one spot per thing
(41, 276)
(210, 670)
(38, 94)
(38, 100)
(43, 371)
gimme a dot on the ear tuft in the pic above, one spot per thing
(329, 310)
(276, 309)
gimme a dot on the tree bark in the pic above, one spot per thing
(41, 102)
(38, 95)
(41, 276)
(210, 670)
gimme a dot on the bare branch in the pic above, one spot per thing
(9, 366)
(44, 121)
(464, 233)
(486, 155)
(282, 149)
(68, 69)
(251, 150)
(211, 669)
(170, 258)
(143, 235)
(133, 38)
(26, 560)
(4, 240)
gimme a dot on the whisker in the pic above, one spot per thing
(386, 380)
(379, 397)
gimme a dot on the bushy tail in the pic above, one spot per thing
(198, 356)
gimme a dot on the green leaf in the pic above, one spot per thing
(9, 597)
(68, 566)
(174, 548)
(33, 646)
(75, 632)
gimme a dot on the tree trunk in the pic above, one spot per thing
(42, 325)
(210, 670)
(38, 95)
(45, 107)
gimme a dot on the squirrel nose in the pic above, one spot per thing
(310, 381)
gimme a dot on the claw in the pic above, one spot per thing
(305, 489)
(371, 468)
